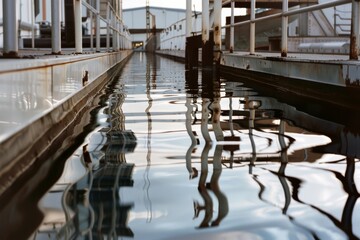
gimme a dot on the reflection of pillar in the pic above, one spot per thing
(203, 190)
(205, 119)
(216, 107)
(191, 134)
(214, 185)
(251, 136)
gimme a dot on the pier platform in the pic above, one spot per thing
(41, 96)
(325, 77)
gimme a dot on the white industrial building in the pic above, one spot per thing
(160, 19)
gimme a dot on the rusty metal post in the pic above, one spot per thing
(10, 27)
(232, 21)
(355, 31)
(78, 27)
(284, 29)
(207, 50)
(252, 27)
(217, 30)
(55, 27)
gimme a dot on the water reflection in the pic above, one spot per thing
(212, 158)
(264, 119)
(92, 205)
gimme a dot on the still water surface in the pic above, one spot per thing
(188, 155)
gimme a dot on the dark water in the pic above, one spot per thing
(188, 155)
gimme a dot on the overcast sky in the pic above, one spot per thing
(161, 3)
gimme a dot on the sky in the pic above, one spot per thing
(161, 3)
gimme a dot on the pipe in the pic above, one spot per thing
(55, 27)
(10, 28)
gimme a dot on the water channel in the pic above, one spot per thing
(177, 154)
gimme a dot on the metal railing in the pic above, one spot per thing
(114, 27)
(284, 14)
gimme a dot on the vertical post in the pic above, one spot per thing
(252, 27)
(32, 24)
(98, 26)
(355, 31)
(217, 30)
(114, 31)
(10, 28)
(232, 21)
(78, 27)
(108, 27)
(207, 48)
(205, 21)
(284, 30)
(91, 31)
(188, 18)
(55, 27)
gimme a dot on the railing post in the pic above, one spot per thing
(355, 31)
(217, 30)
(55, 27)
(78, 27)
(207, 47)
(284, 29)
(98, 26)
(10, 28)
(252, 27)
(188, 18)
(232, 21)
(108, 27)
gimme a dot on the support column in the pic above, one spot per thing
(217, 30)
(232, 22)
(355, 31)
(252, 27)
(55, 26)
(10, 27)
(188, 18)
(207, 48)
(98, 26)
(284, 30)
(78, 27)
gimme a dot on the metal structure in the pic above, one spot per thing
(113, 21)
(148, 30)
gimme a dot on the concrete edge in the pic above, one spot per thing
(20, 150)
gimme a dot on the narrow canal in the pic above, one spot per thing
(189, 155)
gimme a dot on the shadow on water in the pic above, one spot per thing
(259, 166)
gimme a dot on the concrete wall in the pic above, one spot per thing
(39, 102)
